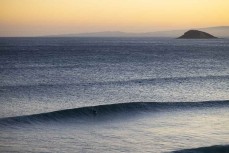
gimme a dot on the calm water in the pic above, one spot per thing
(182, 85)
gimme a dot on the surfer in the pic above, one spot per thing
(94, 112)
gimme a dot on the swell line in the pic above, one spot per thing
(121, 82)
(108, 111)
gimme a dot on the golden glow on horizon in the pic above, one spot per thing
(71, 16)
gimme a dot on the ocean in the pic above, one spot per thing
(114, 95)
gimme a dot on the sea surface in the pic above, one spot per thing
(97, 95)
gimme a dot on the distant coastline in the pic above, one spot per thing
(220, 32)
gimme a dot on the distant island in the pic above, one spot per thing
(196, 34)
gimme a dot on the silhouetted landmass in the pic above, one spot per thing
(196, 34)
(220, 31)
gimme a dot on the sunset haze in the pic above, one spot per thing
(47, 17)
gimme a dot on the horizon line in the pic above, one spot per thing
(114, 31)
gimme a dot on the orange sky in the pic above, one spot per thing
(44, 17)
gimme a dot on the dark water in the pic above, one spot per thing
(113, 94)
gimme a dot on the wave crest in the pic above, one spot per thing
(108, 111)
(211, 149)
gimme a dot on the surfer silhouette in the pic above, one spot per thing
(94, 112)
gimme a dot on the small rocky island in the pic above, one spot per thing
(195, 34)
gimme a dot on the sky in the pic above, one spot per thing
(47, 17)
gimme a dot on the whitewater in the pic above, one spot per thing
(114, 95)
